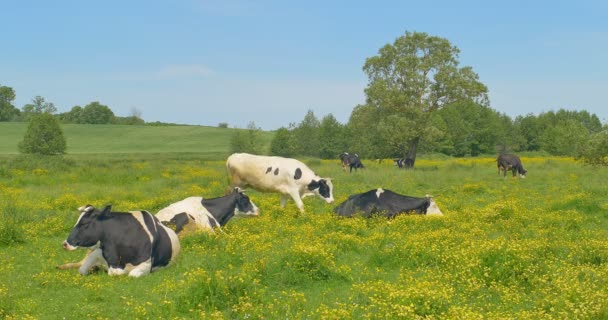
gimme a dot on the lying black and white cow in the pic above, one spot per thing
(351, 160)
(387, 203)
(511, 162)
(207, 214)
(406, 163)
(132, 242)
(286, 176)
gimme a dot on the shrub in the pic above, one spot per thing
(43, 136)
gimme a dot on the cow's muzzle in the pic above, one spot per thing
(68, 246)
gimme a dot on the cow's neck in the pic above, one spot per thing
(222, 209)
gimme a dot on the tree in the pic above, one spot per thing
(96, 113)
(7, 110)
(332, 140)
(72, 116)
(247, 140)
(43, 136)
(412, 78)
(307, 135)
(38, 106)
(282, 143)
(595, 152)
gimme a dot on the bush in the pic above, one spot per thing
(43, 136)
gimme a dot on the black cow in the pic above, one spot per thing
(207, 214)
(510, 162)
(122, 242)
(350, 160)
(406, 163)
(387, 203)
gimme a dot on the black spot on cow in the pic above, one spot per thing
(276, 171)
(298, 174)
(268, 169)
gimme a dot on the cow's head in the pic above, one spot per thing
(323, 188)
(87, 231)
(244, 205)
(522, 171)
(433, 208)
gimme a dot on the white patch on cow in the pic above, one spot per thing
(523, 176)
(379, 192)
(93, 259)
(139, 216)
(433, 209)
(193, 207)
(139, 270)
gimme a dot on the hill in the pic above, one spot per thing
(90, 139)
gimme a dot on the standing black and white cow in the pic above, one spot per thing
(132, 242)
(351, 160)
(511, 162)
(207, 214)
(289, 177)
(387, 203)
(406, 163)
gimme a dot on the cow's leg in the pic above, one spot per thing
(283, 200)
(93, 259)
(142, 269)
(296, 198)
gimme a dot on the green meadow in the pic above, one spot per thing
(86, 139)
(506, 248)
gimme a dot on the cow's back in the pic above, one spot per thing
(265, 173)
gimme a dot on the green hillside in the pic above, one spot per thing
(86, 138)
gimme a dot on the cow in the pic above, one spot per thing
(387, 203)
(350, 160)
(133, 243)
(406, 163)
(207, 214)
(289, 177)
(510, 162)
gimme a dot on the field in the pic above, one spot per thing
(209, 142)
(533, 248)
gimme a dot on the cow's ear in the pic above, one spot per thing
(313, 185)
(106, 210)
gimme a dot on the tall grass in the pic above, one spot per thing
(506, 248)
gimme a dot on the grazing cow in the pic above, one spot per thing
(510, 162)
(406, 163)
(132, 242)
(350, 160)
(207, 214)
(387, 203)
(289, 177)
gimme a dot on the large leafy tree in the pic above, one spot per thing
(96, 113)
(43, 136)
(307, 135)
(332, 139)
(409, 80)
(7, 110)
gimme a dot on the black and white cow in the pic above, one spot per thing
(387, 203)
(510, 162)
(206, 214)
(406, 163)
(351, 160)
(132, 242)
(289, 177)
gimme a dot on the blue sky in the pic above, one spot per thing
(205, 62)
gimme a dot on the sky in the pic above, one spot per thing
(203, 62)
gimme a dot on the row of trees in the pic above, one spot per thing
(92, 113)
(459, 130)
(420, 99)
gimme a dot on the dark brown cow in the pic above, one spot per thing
(510, 162)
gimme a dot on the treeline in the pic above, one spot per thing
(459, 130)
(92, 113)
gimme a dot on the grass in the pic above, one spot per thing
(531, 248)
(123, 139)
